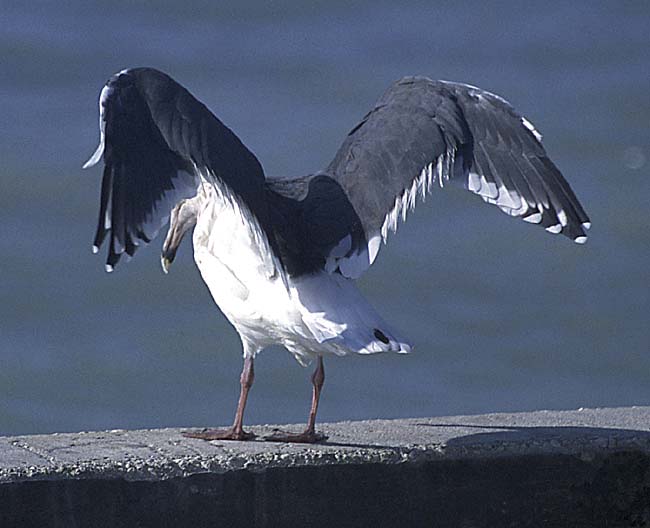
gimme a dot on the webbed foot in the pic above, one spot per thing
(220, 434)
(306, 437)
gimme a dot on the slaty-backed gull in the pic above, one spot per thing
(280, 256)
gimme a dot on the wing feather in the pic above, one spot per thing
(157, 141)
(421, 131)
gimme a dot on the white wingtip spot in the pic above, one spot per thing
(580, 240)
(555, 229)
(586, 225)
(94, 159)
(474, 182)
(95, 250)
(109, 268)
(535, 218)
(373, 247)
(532, 128)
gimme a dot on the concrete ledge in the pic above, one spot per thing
(589, 467)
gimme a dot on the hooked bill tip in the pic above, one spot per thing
(165, 263)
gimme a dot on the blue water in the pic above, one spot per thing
(504, 316)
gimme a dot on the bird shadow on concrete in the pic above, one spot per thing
(553, 436)
(563, 435)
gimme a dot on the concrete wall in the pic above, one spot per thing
(577, 468)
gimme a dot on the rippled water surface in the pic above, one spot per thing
(504, 316)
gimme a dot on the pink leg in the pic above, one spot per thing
(236, 432)
(309, 435)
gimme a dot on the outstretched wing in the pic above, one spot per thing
(420, 132)
(157, 141)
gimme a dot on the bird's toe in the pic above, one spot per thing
(219, 434)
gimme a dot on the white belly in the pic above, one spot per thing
(311, 315)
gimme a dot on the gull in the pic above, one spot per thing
(280, 256)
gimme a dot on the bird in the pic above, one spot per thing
(280, 256)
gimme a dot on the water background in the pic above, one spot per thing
(504, 316)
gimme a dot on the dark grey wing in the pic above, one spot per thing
(157, 141)
(420, 132)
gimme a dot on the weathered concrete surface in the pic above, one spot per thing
(589, 467)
